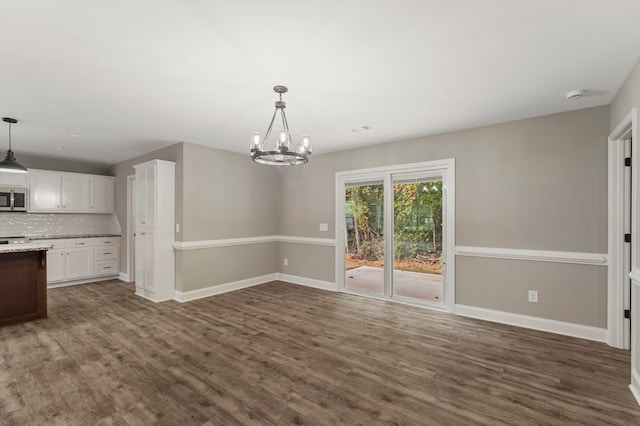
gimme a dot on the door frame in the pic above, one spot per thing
(618, 334)
(131, 181)
(447, 168)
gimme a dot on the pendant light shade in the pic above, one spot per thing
(10, 164)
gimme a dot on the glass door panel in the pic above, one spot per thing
(417, 238)
(364, 251)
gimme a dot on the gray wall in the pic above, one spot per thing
(627, 97)
(225, 195)
(35, 162)
(539, 183)
(124, 169)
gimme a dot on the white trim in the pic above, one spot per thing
(131, 181)
(82, 281)
(308, 282)
(634, 275)
(616, 287)
(552, 326)
(204, 244)
(534, 255)
(330, 242)
(635, 386)
(124, 277)
(222, 288)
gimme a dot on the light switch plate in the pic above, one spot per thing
(324, 227)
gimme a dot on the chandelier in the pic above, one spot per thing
(283, 153)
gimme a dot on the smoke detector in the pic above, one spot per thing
(574, 95)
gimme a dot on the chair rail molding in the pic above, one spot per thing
(578, 258)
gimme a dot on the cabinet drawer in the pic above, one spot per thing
(106, 267)
(107, 253)
(54, 244)
(105, 241)
(79, 242)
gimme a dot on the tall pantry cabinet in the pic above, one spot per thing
(155, 221)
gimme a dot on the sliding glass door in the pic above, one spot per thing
(364, 229)
(417, 237)
(395, 233)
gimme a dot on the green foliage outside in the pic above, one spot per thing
(417, 223)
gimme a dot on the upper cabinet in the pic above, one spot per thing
(102, 194)
(14, 179)
(61, 192)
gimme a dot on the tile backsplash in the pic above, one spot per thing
(57, 224)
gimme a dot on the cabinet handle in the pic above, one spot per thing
(106, 252)
(107, 242)
(143, 233)
(79, 244)
(106, 267)
(143, 222)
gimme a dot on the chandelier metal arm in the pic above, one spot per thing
(266, 136)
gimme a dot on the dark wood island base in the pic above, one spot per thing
(23, 286)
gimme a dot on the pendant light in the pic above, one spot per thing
(9, 164)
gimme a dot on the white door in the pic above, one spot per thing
(102, 192)
(45, 190)
(145, 257)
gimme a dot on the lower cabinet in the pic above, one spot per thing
(82, 259)
(145, 258)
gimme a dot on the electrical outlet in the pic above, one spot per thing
(286, 262)
(533, 296)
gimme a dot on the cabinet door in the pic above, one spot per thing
(145, 260)
(102, 194)
(75, 192)
(78, 263)
(55, 265)
(45, 191)
(145, 196)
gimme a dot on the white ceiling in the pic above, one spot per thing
(131, 76)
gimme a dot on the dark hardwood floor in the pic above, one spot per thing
(283, 354)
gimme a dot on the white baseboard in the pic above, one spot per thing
(635, 385)
(84, 281)
(124, 277)
(222, 288)
(552, 326)
(308, 282)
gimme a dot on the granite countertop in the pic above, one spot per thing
(64, 237)
(17, 248)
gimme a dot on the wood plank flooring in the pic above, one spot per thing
(280, 354)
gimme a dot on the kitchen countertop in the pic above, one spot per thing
(17, 248)
(65, 237)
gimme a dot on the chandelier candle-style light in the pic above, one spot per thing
(283, 153)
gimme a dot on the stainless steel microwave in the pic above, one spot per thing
(13, 199)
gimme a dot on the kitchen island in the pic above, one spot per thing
(23, 282)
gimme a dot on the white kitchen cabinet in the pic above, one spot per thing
(55, 265)
(14, 179)
(75, 192)
(145, 261)
(102, 194)
(145, 195)
(78, 263)
(81, 260)
(45, 190)
(155, 223)
(62, 192)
